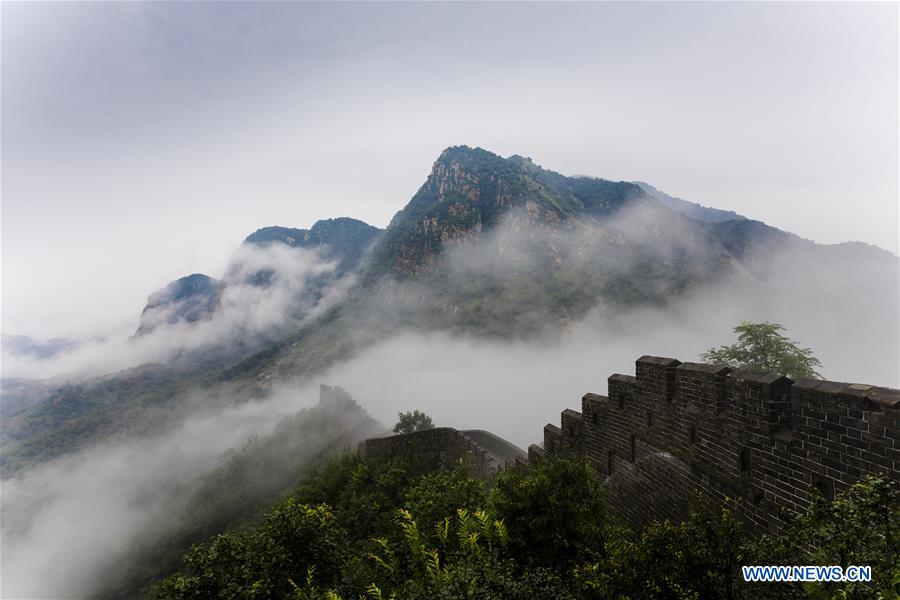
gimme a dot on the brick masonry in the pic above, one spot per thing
(682, 434)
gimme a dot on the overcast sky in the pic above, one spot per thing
(143, 142)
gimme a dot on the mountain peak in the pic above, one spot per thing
(472, 189)
(463, 152)
(325, 232)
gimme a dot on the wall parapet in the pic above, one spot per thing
(438, 445)
(675, 428)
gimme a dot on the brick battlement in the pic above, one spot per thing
(678, 428)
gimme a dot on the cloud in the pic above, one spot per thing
(69, 524)
(300, 288)
(844, 309)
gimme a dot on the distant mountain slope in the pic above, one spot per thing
(691, 209)
(21, 345)
(66, 417)
(185, 300)
(343, 239)
(17, 394)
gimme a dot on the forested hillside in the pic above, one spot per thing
(389, 529)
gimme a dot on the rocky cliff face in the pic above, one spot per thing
(471, 190)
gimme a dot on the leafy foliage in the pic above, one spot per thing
(762, 347)
(259, 563)
(697, 558)
(538, 533)
(409, 422)
(554, 512)
(861, 526)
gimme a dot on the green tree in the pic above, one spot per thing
(696, 558)
(444, 492)
(413, 421)
(762, 347)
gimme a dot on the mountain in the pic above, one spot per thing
(197, 297)
(691, 209)
(501, 246)
(488, 246)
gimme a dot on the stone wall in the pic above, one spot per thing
(676, 429)
(435, 446)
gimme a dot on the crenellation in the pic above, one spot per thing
(758, 438)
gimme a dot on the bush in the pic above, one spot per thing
(553, 511)
(261, 562)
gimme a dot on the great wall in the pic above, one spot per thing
(677, 435)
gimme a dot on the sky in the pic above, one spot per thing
(143, 141)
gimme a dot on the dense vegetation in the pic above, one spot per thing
(394, 529)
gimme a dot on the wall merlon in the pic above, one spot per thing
(572, 414)
(885, 397)
(619, 378)
(552, 429)
(660, 361)
(703, 368)
(759, 377)
(572, 426)
(655, 377)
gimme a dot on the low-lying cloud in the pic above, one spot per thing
(300, 287)
(66, 524)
